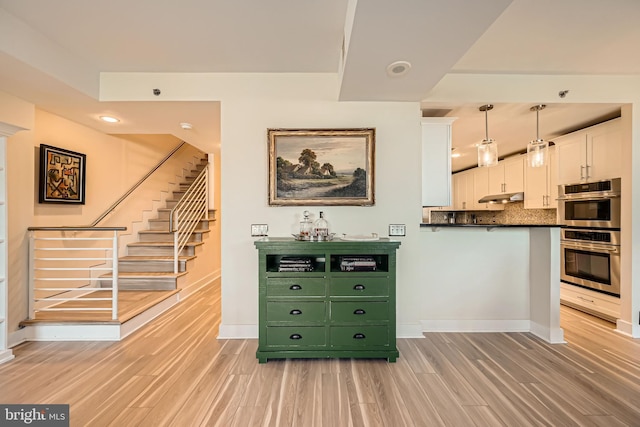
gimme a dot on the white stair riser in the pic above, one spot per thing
(166, 237)
(155, 250)
(153, 266)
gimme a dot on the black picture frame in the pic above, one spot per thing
(62, 176)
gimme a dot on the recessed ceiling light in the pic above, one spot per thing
(398, 68)
(186, 126)
(109, 119)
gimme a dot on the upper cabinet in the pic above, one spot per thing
(436, 161)
(463, 197)
(540, 184)
(590, 154)
(507, 176)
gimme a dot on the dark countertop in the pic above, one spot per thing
(492, 225)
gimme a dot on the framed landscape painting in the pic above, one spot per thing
(321, 167)
(62, 176)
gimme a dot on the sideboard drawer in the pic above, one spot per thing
(296, 311)
(359, 336)
(361, 311)
(359, 286)
(296, 336)
(295, 287)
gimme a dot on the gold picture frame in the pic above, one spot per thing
(321, 167)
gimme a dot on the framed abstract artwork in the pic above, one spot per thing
(62, 176)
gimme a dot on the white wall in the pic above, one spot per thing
(251, 103)
(244, 189)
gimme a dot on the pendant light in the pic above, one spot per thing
(488, 148)
(537, 149)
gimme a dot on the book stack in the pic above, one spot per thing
(295, 264)
(359, 263)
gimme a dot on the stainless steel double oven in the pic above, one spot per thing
(590, 239)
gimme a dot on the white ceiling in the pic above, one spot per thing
(51, 54)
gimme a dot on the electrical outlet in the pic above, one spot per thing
(259, 229)
(397, 230)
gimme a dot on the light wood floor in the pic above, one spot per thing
(174, 372)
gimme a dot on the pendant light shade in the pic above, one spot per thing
(537, 149)
(488, 148)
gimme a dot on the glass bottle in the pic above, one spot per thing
(321, 227)
(306, 226)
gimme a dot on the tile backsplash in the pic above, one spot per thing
(513, 213)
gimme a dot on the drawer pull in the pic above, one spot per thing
(359, 287)
(295, 337)
(295, 312)
(359, 311)
(295, 287)
(585, 299)
(359, 336)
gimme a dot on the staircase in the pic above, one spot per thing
(149, 263)
(150, 281)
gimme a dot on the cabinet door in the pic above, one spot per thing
(496, 178)
(604, 152)
(536, 187)
(436, 161)
(459, 190)
(552, 199)
(470, 201)
(513, 175)
(481, 189)
(571, 157)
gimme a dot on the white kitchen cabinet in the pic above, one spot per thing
(540, 185)
(481, 189)
(595, 303)
(590, 154)
(436, 161)
(462, 190)
(507, 176)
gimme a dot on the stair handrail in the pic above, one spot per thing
(136, 185)
(64, 294)
(190, 209)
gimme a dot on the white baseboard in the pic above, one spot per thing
(409, 330)
(550, 335)
(625, 328)
(17, 337)
(236, 332)
(62, 332)
(5, 356)
(475, 325)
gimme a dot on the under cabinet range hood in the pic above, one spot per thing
(503, 198)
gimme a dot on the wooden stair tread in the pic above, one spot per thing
(197, 230)
(144, 274)
(162, 244)
(155, 258)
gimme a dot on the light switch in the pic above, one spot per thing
(259, 229)
(397, 230)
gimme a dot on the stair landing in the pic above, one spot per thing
(135, 309)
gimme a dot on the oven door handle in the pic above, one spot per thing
(591, 197)
(591, 247)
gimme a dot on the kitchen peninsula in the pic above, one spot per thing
(507, 278)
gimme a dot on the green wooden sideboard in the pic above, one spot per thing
(332, 299)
